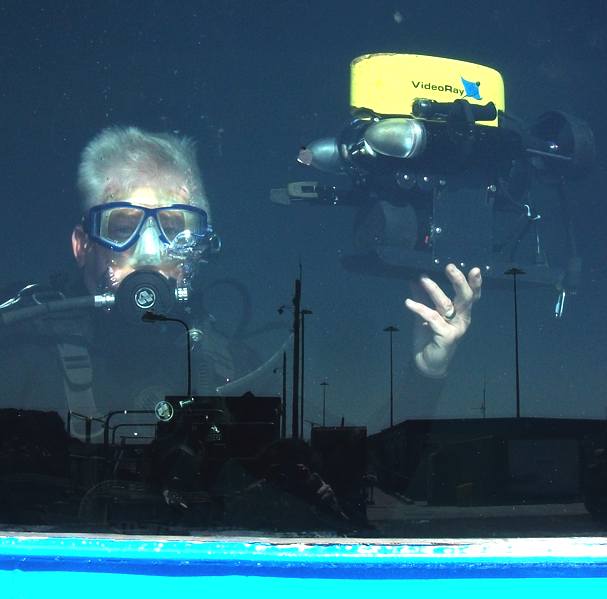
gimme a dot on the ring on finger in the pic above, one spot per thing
(450, 315)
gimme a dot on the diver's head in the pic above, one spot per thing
(144, 208)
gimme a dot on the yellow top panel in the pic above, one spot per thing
(389, 83)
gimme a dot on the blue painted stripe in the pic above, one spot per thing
(453, 569)
(178, 558)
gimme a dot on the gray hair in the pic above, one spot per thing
(119, 160)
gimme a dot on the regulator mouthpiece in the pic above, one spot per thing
(142, 291)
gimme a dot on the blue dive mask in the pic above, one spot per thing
(118, 225)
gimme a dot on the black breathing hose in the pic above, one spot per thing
(87, 302)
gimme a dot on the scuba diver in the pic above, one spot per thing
(81, 356)
(145, 228)
(89, 365)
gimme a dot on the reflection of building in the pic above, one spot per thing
(486, 461)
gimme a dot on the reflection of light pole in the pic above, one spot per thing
(150, 316)
(296, 362)
(303, 313)
(324, 386)
(296, 359)
(483, 407)
(283, 421)
(514, 272)
(391, 329)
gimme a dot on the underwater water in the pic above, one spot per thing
(510, 442)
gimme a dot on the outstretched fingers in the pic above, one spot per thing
(447, 312)
(442, 302)
(467, 289)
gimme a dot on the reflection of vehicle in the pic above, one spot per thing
(140, 471)
(439, 172)
(217, 462)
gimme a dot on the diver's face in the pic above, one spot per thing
(105, 268)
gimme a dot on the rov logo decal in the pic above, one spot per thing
(472, 89)
(145, 298)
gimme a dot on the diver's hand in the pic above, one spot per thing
(438, 329)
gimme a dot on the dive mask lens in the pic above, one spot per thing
(173, 221)
(115, 225)
(118, 225)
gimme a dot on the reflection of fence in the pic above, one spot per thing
(112, 415)
(135, 436)
(105, 424)
(88, 421)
